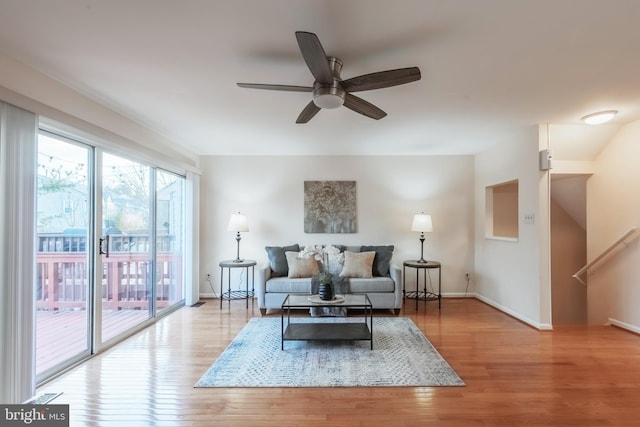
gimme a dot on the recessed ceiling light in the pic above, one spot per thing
(599, 117)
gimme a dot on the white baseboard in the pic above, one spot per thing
(540, 326)
(208, 295)
(458, 295)
(624, 325)
(537, 325)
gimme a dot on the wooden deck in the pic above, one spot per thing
(514, 375)
(63, 288)
(63, 333)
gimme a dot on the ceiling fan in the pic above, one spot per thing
(329, 90)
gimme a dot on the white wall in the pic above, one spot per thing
(510, 275)
(613, 207)
(389, 190)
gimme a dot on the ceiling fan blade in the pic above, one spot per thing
(382, 79)
(287, 88)
(307, 114)
(314, 56)
(363, 107)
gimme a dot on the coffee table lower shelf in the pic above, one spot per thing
(320, 330)
(327, 331)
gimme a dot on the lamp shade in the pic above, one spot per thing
(422, 223)
(238, 222)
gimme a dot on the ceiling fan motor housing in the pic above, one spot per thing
(330, 95)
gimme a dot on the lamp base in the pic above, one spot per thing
(422, 260)
(238, 248)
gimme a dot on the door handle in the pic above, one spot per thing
(104, 243)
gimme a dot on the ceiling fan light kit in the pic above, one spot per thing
(328, 97)
(329, 90)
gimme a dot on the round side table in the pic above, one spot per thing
(422, 294)
(236, 294)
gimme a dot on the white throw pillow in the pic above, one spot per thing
(301, 267)
(358, 264)
(314, 251)
(334, 259)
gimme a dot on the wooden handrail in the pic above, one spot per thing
(625, 236)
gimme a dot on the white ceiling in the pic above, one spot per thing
(490, 68)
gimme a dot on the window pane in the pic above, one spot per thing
(63, 279)
(169, 239)
(126, 220)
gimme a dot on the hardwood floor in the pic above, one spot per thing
(514, 375)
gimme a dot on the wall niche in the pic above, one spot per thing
(501, 216)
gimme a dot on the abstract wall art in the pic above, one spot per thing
(330, 207)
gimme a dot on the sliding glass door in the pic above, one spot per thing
(63, 281)
(126, 245)
(170, 229)
(110, 238)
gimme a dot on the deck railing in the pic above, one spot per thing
(62, 273)
(61, 242)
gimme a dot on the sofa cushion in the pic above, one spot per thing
(382, 260)
(357, 264)
(301, 267)
(373, 285)
(278, 260)
(285, 285)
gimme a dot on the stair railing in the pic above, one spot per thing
(622, 240)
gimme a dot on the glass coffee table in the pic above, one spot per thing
(318, 328)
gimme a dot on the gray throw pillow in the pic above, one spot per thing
(382, 260)
(278, 260)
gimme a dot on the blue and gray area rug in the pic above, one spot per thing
(401, 356)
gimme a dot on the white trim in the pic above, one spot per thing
(115, 144)
(458, 295)
(96, 285)
(623, 325)
(540, 326)
(210, 295)
(502, 239)
(192, 233)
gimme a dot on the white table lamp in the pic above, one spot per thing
(422, 223)
(238, 223)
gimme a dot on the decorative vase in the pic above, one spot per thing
(325, 290)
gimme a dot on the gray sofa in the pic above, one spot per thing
(384, 288)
